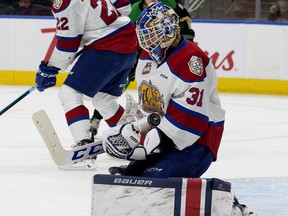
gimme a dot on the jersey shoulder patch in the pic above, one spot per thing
(60, 5)
(188, 62)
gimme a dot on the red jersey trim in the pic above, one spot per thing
(68, 44)
(191, 121)
(212, 138)
(178, 62)
(123, 41)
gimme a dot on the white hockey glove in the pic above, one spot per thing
(130, 135)
(150, 146)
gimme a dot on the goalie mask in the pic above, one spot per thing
(157, 28)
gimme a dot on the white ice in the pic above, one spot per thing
(253, 156)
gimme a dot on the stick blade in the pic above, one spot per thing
(50, 137)
(63, 157)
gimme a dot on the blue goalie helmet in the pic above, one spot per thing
(157, 28)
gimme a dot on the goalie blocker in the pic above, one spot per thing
(126, 195)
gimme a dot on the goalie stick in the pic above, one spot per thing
(61, 156)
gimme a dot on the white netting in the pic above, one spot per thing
(117, 146)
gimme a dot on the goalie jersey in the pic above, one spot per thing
(183, 91)
(91, 24)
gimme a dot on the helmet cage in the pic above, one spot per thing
(157, 26)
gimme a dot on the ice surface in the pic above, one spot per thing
(253, 155)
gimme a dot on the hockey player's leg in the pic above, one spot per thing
(115, 71)
(128, 115)
(77, 117)
(172, 164)
(134, 168)
(107, 106)
(195, 161)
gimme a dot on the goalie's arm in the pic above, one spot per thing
(120, 141)
(147, 123)
(155, 142)
(138, 140)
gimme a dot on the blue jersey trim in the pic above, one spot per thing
(182, 127)
(181, 46)
(189, 112)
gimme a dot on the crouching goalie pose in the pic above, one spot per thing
(177, 81)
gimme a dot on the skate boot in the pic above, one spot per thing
(82, 143)
(242, 210)
(85, 164)
(117, 170)
(85, 142)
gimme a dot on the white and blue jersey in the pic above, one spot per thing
(108, 39)
(183, 91)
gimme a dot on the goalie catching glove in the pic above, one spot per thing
(127, 143)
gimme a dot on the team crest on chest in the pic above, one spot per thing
(196, 66)
(147, 68)
(57, 4)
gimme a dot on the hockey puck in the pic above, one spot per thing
(154, 119)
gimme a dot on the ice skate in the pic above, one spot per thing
(86, 164)
(242, 210)
(117, 170)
